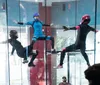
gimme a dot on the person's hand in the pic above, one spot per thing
(65, 28)
(11, 54)
(15, 21)
(97, 30)
(52, 25)
(55, 26)
(21, 23)
(1, 42)
(4, 42)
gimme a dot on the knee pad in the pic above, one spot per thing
(64, 50)
(35, 52)
(34, 38)
(48, 37)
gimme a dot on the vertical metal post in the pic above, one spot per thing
(20, 40)
(45, 45)
(95, 33)
(7, 64)
(68, 65)
(75, 12)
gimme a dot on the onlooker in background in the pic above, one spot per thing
(64, 81)
(92, 74)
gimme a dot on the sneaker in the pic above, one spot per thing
(25, 61)
(53, 51)
(31, 65)
(59, 66)
(34, 51)
(88, 64)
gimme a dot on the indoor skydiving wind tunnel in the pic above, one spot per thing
(56, 14)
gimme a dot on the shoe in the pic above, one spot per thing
(88, 64)
(25, 61)
(31, 65)
(34, 51)
(53, 51)
(65, 28)
(59, 66)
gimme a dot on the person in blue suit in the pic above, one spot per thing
(38, 34)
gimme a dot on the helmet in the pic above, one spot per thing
(13, 34)
(85, 18)
(64, 77)
(93, 73)
(36, 15)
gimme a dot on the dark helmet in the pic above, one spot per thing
(36, 15)
(93, 74)
(64, 77)
(13, 34)
(85, 19)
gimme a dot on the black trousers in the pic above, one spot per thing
(26, 52)
(74, 47)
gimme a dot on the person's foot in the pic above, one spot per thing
(31, 65)
(59, 66)
(88, 64)
(53, 51)
(34, 51)
(25, 61)
(65, 28)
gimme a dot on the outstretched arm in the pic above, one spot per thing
(46, 25)
(4, 42)
(22, 23)
(72, 28)
(93, 29)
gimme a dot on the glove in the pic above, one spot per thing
(21, 23)
(65, 28)
(51, 24)
(97, 31)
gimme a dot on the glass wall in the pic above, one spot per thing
(69, 13)
(59, 13)
(13, 71)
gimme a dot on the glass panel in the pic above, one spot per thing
(18, 11)
(98, 33)
(60, 13)
(65, 12)
(4, 73)
(70, 14)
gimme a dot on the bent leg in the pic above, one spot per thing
(52, 40)
(27, 51)
(67, 49)
(30, 47)
(34, 55)
(22, 54)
